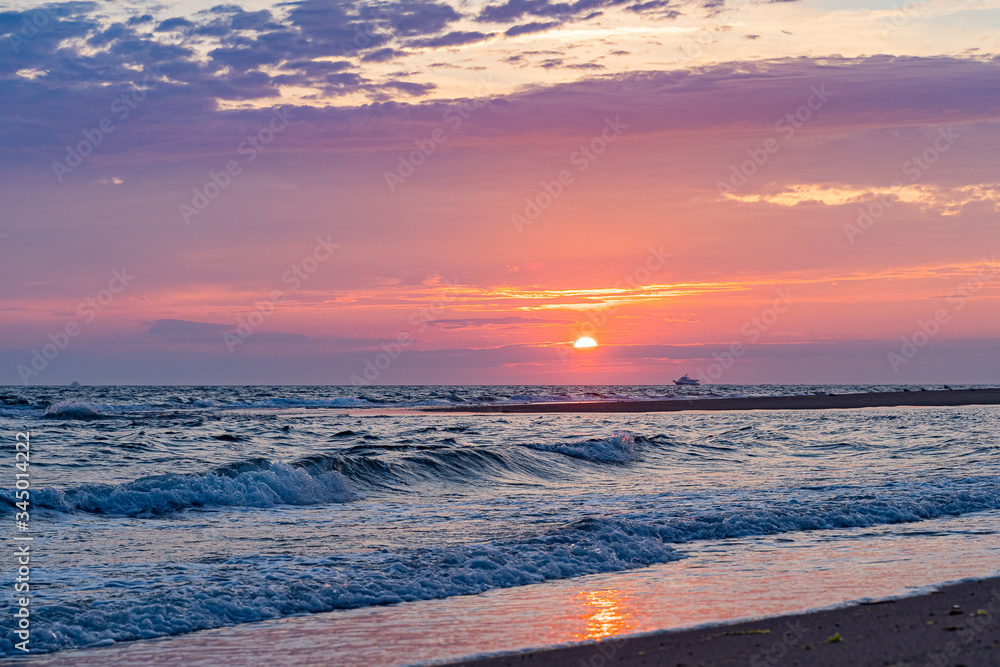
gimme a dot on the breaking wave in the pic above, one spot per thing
(255, 484)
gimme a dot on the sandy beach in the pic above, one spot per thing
(939, 398)
(956, 625)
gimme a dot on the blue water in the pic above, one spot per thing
(164, 510)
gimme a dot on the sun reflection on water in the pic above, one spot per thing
(605, 613)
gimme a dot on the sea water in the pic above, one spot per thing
(159, 511)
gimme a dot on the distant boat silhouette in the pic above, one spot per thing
(687, 380)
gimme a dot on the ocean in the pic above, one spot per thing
(160, 511)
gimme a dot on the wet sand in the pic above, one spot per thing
(955, 625)
(938, 398)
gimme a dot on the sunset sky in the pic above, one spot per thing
(320, 192)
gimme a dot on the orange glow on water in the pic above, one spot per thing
(605, 613)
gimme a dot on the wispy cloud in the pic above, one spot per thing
(939, 199)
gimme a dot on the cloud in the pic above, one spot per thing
(943, 200)
(660, 8)
(410, 87)
(526, 28)
(354, 28)
(872, 92)
(233, 17)
(420, 18)
(457, 38)
(175, 24)
(330, 46)
(249, 53)
(189, 331)
(280, 338)
(31, 36)
(513, 10)
(186, 328)
(510, 322)
(382, 55)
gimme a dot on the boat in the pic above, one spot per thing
(687, 380)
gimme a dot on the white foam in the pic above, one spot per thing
(256, 588)
(618, 448)
(71, 409)
(275, 484)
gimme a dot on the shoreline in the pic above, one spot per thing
(939, 624)
(875, 626)
(956, 624)
(936, 398)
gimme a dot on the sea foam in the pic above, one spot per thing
(617, 448)
(274, 587)
(70, 409)
(265, 484)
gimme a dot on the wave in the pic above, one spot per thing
(445, 465)
(367, 466)
(136, 402)
(862, 509)
(82, 410)
(270, 588)
(618, 448)
(320, 478)
(79, 409)
(256, 588)
(90, 410)
(449, 462)
(345, 402)
(258, 483)
(283, 402)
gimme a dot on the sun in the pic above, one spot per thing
(585, 341)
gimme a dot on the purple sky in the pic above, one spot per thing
(425, 192)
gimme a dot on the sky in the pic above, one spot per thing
(323, 192)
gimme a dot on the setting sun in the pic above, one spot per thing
(585, 341)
